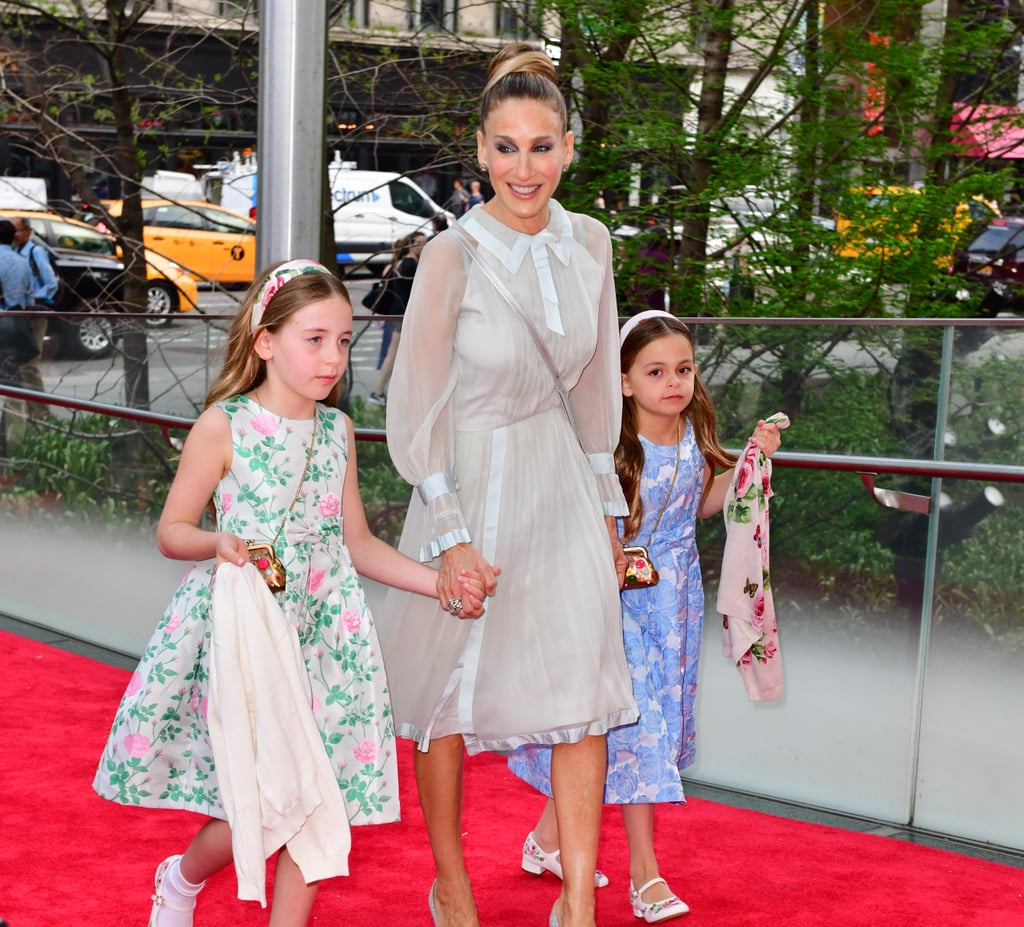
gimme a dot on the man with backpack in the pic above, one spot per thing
(44, 290)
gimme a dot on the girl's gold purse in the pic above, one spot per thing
(640, 572)
(263, 557)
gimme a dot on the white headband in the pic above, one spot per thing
(276, 279)
(635, 320)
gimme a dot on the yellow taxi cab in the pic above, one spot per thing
(170, 289)
(881, 222)
(214, 244)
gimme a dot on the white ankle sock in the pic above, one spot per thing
(179, 899)
(179, 883)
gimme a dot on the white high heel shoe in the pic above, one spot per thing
(538, 861)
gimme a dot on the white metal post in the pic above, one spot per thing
(290, 136)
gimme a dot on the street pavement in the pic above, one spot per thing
(185, 357)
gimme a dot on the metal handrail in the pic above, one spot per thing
(846, 463)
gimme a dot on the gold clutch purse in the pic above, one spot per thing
(640, 572)
(263, 557)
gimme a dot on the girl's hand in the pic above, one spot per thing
(458, 563)
(473, 594)
(617, 553)
(767, 438)
(231, 549)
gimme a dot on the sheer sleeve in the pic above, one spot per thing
(597, 397)
(419, 424)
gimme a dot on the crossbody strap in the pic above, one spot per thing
(503, 291)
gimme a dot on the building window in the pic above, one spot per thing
(235, 9)
(349, 13)
(434, 15)
(513, 20)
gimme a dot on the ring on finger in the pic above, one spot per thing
(454, 606)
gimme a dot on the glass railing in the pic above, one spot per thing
(897, 547)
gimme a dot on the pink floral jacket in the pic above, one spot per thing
(751, 633)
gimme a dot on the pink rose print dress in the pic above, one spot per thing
(158, 754)
(661, 628)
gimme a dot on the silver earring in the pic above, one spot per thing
(484, 167)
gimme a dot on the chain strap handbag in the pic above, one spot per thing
(262, 555)
(640, 570)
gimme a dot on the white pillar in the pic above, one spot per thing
(290, 137)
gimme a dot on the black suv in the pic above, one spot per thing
(995, 259)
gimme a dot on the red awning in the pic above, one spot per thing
(988, 131)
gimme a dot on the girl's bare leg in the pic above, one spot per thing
(209, 851)
(439, 780)
(293, 898)
(643, 866)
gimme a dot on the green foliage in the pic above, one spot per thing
(384, 493)
(92, 466)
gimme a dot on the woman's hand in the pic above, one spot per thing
(617, 553)
(465, 575)
(767, 437)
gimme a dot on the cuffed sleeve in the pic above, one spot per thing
(421, 437)
(597, 409)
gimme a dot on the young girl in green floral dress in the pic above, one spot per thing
(278, 461)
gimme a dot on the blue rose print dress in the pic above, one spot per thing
(661, 627)
(158, 754)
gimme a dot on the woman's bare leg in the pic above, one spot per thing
(439, 780)
(577, 782)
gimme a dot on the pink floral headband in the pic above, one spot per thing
(635, 320)
(276, 279)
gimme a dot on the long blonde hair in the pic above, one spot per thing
(699, 414)
(521, 72)
(244, 370)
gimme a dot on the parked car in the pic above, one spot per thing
(214, 244)
(170, 289)
(995, 260)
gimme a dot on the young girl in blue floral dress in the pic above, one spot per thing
(278, 462)
(666, 460)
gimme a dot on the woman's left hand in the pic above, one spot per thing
(617, 553)
(767, 437)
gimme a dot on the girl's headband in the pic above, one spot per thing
(277, 278)
(635, 320)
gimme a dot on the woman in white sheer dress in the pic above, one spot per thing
(504, 480)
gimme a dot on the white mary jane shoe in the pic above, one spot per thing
(656, 911)
(537, 861)
(160, 902)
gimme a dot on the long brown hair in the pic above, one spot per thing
(699, 414)
(521, 72)
(244, 370)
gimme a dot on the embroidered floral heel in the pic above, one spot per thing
(537, 861)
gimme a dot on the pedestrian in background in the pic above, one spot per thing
(15, 293)
(398, 276)
(44, 291)
(458, 202)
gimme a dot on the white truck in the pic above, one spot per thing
(372, 209)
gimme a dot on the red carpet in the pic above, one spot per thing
(71, 859)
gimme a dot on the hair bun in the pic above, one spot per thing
(520, 58)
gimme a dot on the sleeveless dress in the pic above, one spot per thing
(158, 754)
(475, 424)
(661, 628)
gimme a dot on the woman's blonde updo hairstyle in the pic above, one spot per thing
(521, 72)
